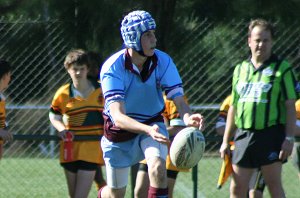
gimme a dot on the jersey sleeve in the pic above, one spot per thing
(290, 85)
(234, 94)
(297, 105)
(169, 77)
(58, 102)
(221, 120)
(112, 84)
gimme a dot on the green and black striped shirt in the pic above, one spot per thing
(259, 95)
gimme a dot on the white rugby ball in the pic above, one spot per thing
(187, 148)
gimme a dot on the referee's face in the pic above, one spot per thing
(260, 43)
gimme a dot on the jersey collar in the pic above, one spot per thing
(148, 67)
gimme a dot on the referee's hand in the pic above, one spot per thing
(286, 149)
(224, 149)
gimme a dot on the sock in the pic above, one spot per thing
(157, 192)
(99, 192)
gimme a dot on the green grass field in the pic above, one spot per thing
(32, 177)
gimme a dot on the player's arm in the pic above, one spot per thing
(56, 121)
(220, 130)
(220, 125)
(184, 110)
(221, 120)
(174, 126)
(229, 129)
(5, 135)
(173, 130)
(297, 129)
(122, 121)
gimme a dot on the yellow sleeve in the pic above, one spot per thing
(297, 104)
(60, 100)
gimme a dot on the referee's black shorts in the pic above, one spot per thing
(256, 148)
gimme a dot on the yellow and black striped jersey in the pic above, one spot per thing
(82, 116)
(2, 112)
(2, 115)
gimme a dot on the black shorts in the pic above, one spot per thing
(170, 173)
(79, 165)
(256, 148)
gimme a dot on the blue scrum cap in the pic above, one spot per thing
(133, 26)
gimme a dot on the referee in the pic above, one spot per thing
(264, 91)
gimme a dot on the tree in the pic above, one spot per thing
(6, 8)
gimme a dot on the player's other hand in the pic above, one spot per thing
(154, 133)
(196, 120)
(63, 134)
(5, 135)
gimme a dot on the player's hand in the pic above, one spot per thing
(286, 149)
(63, 134)
(154, 133)
(5, 135)
(224, 149)
(196, 120)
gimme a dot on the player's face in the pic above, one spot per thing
(5, 81)
(148, 42)
(260, 43)
(78, 72)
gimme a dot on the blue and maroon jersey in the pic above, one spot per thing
(141, 91)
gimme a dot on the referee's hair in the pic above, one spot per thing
(262, 23)
(4, 68)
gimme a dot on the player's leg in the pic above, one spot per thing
(296, 157)
(240, 180)
(272, 177)
(71, 182)
(99, 179)
(117, 179)
(256, 185)
(142, 181)
(84, 178)
(157, 177)
(1, 149)
(156, 154)
(172, 175)
(84, 183)
(70, 170)
(119, 157)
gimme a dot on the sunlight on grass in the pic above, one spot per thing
(30, 178)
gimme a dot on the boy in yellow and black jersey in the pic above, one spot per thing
(5, 75)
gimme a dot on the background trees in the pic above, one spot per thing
(96, 22)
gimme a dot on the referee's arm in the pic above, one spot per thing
(288, 143)
(290, 118)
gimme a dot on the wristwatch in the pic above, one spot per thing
(290, 138)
